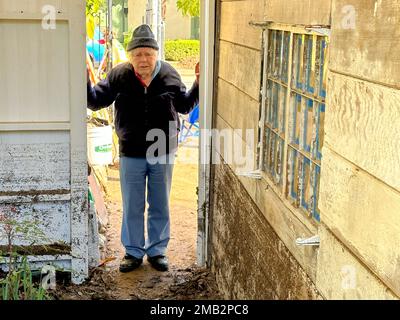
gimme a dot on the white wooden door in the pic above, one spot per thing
(43, 162)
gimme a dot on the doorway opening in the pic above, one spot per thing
(187, 247)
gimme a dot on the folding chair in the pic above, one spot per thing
(187, 125)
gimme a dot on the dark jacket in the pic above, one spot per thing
(139, 110)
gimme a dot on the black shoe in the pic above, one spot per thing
(129, 263)
(159, 263)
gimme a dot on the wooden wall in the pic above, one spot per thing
(238, 106)
(250, 261)
(304, 12)
(360, 188)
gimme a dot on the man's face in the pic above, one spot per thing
(144, 61)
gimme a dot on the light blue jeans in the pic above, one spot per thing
(133, 174)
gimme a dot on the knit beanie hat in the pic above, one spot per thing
(142, 37)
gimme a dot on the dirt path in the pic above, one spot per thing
(147, 282)
(184, 280)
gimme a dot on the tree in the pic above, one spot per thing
(93, 6)
(189, 7)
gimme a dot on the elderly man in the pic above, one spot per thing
(148, 94)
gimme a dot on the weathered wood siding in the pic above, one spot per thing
(369, 50)
(341, 274)
(249, 213)
(305, 12)
(360, 190)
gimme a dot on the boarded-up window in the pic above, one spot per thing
(293, 112)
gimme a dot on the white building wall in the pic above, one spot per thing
(176, 25)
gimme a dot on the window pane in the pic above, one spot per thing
(306, 121)
(306, 114)
(275, 107)
(320, 136)
(301, 181)
(305, 183)
(309, 64)
(298, 62)
(278, 55)
(309, 126)
(273, 156)
(295, 118)
(292, 185)
(323, 67)
(285, 59)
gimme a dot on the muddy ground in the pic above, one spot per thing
(184, 280)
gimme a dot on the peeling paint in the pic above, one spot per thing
(34, 163)
(378, 3)
(33, 193)
(38, 177)
(44, 173)
(53, 220)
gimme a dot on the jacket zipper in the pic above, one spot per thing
(146, 110)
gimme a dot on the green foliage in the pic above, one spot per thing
(25, 228)
(180, 50)
(94, 6)
(189, 7)
(19, 285)
(127, 37)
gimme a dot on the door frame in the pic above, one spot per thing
(207, 54)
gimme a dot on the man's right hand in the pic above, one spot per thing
(197, 72)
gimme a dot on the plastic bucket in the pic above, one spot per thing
(100, 145)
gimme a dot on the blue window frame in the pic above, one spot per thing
(294, 114)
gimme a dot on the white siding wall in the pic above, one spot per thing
(43, 170)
